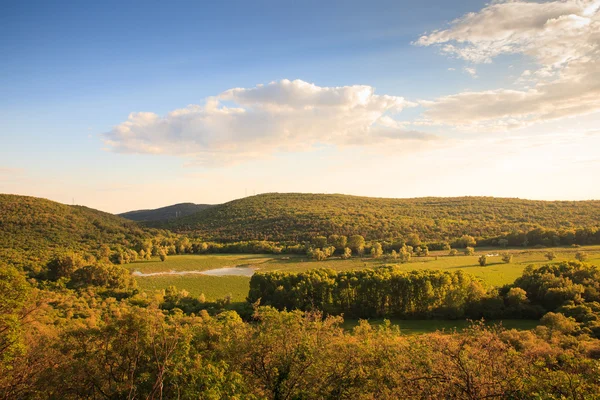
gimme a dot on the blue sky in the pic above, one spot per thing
(71, 72)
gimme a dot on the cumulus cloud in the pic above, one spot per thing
(562, 37)
(245, 123)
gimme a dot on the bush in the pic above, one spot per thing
(581, 256)
(507, 258)
(453, 252)
(483, 260)
(469, 251)
(550, 255)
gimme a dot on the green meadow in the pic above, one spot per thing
(495, 273)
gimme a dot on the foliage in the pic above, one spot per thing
(164, 213)
(33, 230)
(482, 260)
(385, 291)
(298, 217)
(507, 257)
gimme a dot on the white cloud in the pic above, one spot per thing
(562, 37)
(470, 71)
(280, 116)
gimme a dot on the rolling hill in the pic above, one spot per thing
(294, 216)
(164, 213)
(32, 228)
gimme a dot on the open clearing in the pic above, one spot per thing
(496, 273)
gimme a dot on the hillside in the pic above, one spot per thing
(164, 213)
(293, 216)
(32, 228)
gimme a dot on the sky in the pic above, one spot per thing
(122, 105)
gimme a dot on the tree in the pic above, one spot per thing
(163, 255)
(413, 240)
(516, 297)
(357, 244)
(581, 256)
(338, 241)
(482, 260)
(503, 243)
(550, 255)
(316, 254)
(62, 266)
(347, 253)
(507, 257)
(466, 241)
(453, 252)
(404, 254)
(319, 242)
(14, 292)
(376, 250)
(469, 251)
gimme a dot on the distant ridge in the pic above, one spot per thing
(164, 213)
(300, 216)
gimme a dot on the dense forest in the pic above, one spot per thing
(299, 217)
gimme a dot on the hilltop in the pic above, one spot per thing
(32, 228)
(164, 213)
(295, 216)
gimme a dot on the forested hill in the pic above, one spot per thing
(32, 228)
(164, 213)
(294, 216)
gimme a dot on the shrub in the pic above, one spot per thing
(507, 258)
(550, 255)
(469, 251)
(581, 256)
(483, 260)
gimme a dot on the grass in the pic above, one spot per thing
(496, 273)
(213, 287)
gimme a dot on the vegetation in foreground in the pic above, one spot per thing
(85, 343)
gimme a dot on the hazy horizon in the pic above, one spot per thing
(129, 106)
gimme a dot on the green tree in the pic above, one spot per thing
(63, 265)
(14, 292)
(466, 241)
(338, 241)
(319, 242)
(469, 251)
(453, 252)
(483, 260)
(356, 244)
(163, 255)
(507, 257)
(347, 253)
(376, 250)
(413, 240)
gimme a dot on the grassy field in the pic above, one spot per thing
(496, 273)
